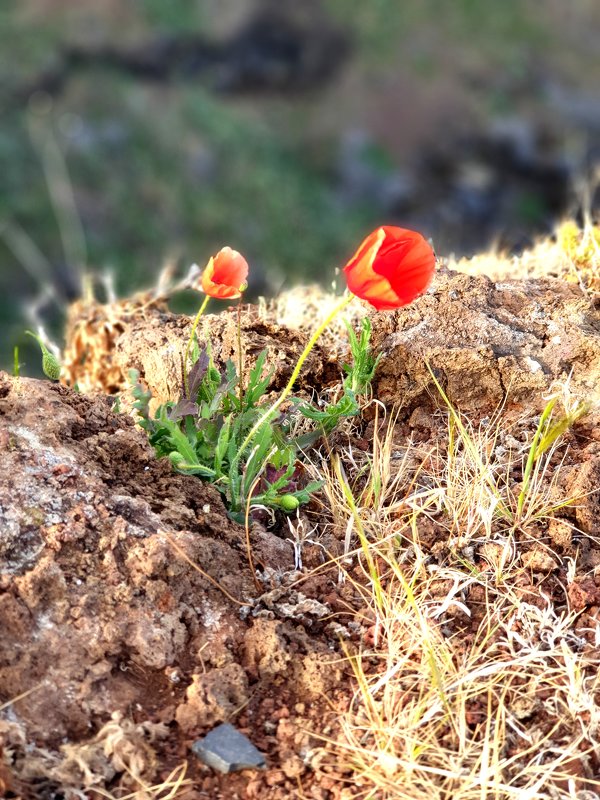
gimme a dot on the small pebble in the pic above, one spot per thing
(225, 749)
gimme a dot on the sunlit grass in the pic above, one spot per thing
(463, 688)
(571, 254)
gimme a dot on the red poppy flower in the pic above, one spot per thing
(225, 275)
(390, 268)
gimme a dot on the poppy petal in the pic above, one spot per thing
(391, 267)
(225, 275)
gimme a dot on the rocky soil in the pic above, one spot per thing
(130, 620)
(489, 342)
(129, 614)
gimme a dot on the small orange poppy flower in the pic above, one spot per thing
(390, 268)
(225, 275)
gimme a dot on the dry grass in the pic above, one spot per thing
(439, 714)
(172, 787)
(122, 754)
(572, 254)
(473, 681)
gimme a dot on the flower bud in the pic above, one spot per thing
(176, 458)
(224, 277)
(50, 364)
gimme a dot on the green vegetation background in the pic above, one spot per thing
(172, 171)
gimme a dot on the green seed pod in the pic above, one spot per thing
(288, 502)
(50, 364)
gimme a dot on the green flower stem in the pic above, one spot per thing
(186, 355)
(305, 353)
(240, 354)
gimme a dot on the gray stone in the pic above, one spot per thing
(227, 750)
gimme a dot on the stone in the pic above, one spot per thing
(225, 749)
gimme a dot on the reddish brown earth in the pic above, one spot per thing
(130, 620)
(102, 618)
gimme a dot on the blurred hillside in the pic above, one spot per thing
(139, 132)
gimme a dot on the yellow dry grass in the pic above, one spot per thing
(572, 254)
(473, 685)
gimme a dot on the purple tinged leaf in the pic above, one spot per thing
(184, 408)
(197, 373)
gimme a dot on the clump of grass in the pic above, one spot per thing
(480, 466)
(572, 253)
(582, 247)
(446, 710)
(464, 688)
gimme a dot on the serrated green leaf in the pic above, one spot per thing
(257, 385)
(222, 444)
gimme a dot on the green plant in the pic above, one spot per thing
(250, 452)
(357, 382)
(470, 463)
(206, 432)
(547, 433)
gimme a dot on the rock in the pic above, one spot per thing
(538, 560)
(560, 532)
(212, 697)
(581, 482)
(90, 583)
(583, 593)
(114, 647)
(105, 341)
(227, 750)
(277, 650)
(487, 342)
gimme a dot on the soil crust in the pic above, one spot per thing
(109, 631)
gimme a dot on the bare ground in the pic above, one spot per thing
(131, 622)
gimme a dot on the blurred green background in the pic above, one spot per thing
(136, 132)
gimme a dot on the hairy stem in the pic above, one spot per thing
(186, 355)
(240, 354)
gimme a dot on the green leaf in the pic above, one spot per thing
(256, 384)
(262, 444)
(222, 445)
(364, 364)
